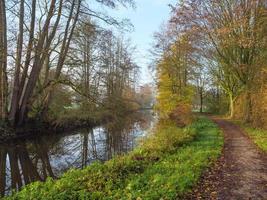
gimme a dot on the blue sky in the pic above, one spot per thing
(146, 18)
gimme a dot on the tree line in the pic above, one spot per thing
(219, 48)
(60, 54)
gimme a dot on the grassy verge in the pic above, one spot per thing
(165, 166)
(258, 136)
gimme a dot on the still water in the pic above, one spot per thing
(26, 160)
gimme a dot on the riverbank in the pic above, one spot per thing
(42, 128)
(37, 128)
(166, 165)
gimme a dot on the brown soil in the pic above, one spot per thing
(240, 173)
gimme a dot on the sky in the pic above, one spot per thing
(146, 19)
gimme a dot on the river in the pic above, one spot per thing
(38, 157)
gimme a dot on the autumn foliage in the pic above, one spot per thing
(222, 45)
(174, 97)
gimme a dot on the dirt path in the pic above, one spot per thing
(241, 172)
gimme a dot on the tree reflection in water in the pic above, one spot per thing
(28, 160)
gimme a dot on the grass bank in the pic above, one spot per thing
(258, 136)
(165, 166)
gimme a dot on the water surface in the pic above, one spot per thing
(26, 160)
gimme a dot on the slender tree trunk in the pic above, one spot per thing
(231, 106)
(15, 94)
(29, 52)
(3, 62)
(248, 107)
(201, 100)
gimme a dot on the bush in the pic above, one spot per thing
(182, 115)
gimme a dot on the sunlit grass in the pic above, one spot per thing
(259, 136)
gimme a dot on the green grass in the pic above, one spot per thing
(258, 136)
(166, 166)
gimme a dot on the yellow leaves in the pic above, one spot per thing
(173, 90)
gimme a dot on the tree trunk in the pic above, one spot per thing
(3, 62)
(231, 106)
(248, 107)
(37, 65)
(29, 51)
(201, 100)
(63, 53)
(15, 94)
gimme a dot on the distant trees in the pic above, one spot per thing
(146, 96)
(35, 57)
(104, 66)
(201, 82)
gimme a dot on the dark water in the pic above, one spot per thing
(28, 160)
